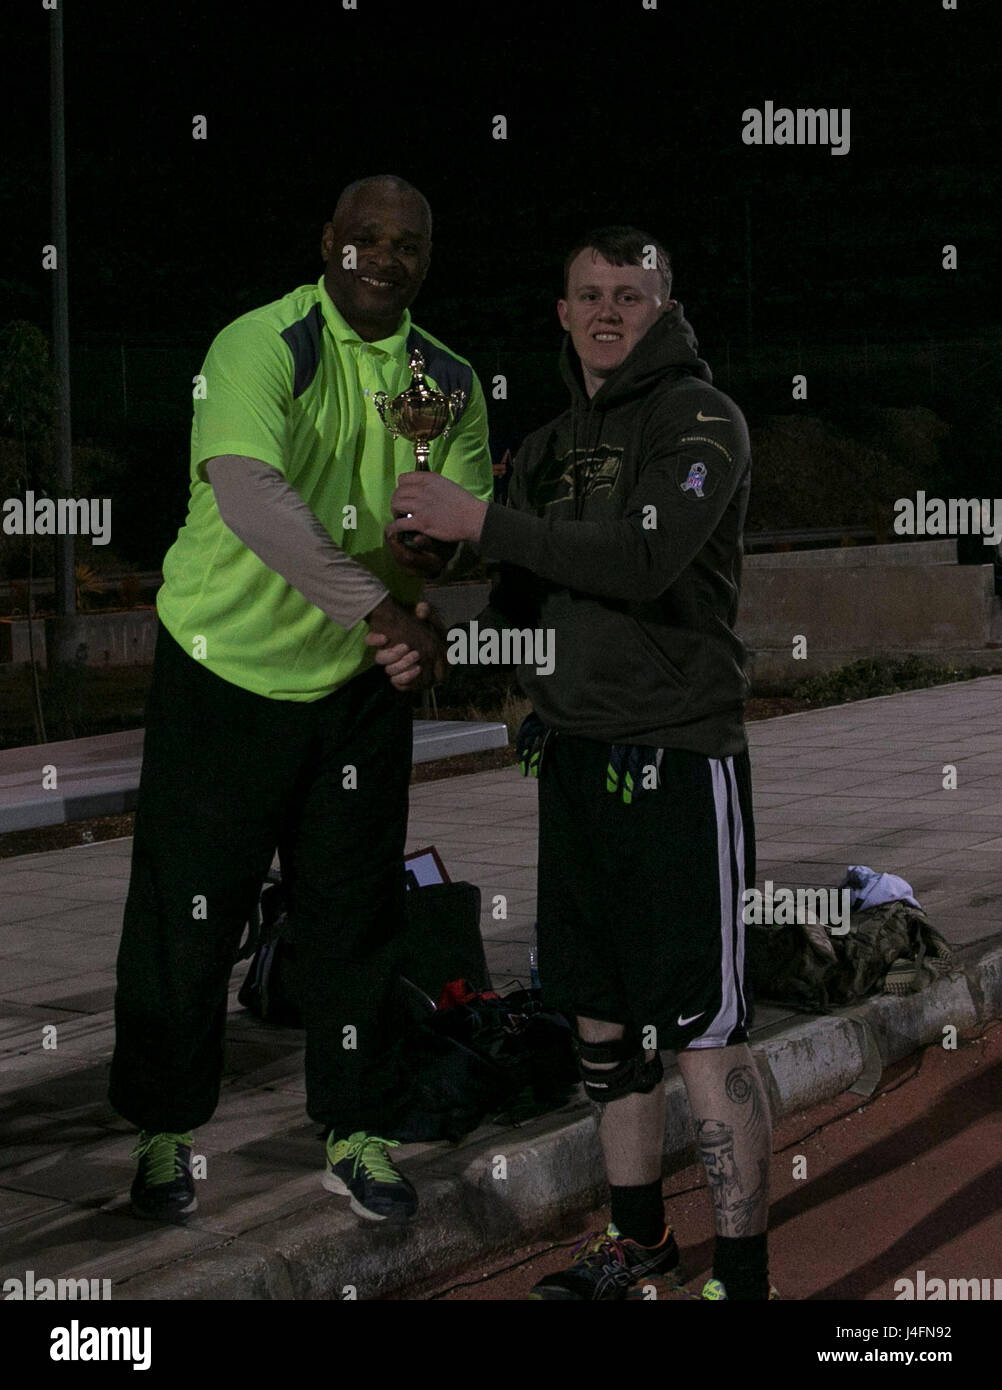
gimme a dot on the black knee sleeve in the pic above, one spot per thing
(633, 1075)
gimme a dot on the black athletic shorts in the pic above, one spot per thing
(640, 905)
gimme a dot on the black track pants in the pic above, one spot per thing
(227, 776)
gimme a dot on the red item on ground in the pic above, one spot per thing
(461, 992)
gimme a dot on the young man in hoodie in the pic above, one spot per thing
(622, 534)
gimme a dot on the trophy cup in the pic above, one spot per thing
(420, 415)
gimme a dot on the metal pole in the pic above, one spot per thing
(65, 588)
(748, 280)
(61, 647)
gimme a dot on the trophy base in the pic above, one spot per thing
(425, 545)
(418, 541)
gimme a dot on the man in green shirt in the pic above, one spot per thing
(268, 722)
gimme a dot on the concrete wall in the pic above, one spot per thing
(947, 612)
(852, 556)
(110, 639)
(900, 607)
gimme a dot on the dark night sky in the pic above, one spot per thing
(614, 114)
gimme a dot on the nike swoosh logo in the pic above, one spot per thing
(683, 1021)
(703, 419)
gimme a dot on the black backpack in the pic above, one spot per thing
(480, 1054)
(489, 1056)
(441, 942)
(267, 990)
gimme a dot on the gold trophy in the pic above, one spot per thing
(420, 415)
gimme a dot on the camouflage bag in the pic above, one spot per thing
(893, 949)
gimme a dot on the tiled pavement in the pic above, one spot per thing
(857, 784)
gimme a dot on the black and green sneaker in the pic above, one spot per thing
(605, 1265)
(360, 1168)
(163, 1189)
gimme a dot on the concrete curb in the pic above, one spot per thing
(552, 1169)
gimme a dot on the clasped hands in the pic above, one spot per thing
(411, 646)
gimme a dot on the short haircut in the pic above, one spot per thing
(393, 181)
(621, 246)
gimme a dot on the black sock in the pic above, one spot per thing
(741, 1263)
(638, 1213)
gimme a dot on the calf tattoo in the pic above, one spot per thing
(735, 1207)
(743, 1087)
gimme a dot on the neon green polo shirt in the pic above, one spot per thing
(292, 384)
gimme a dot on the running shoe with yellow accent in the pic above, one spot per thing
(714, 1290)
(360, 1168)
(605, 1265)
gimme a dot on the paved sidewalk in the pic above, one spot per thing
(858, 784)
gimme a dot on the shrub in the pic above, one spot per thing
(87, 582)
(862, 680)
(808, 471)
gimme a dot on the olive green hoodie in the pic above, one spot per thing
(622, 534)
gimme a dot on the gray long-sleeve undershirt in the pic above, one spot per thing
(270, 517)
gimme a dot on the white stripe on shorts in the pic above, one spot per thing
(731, 869)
